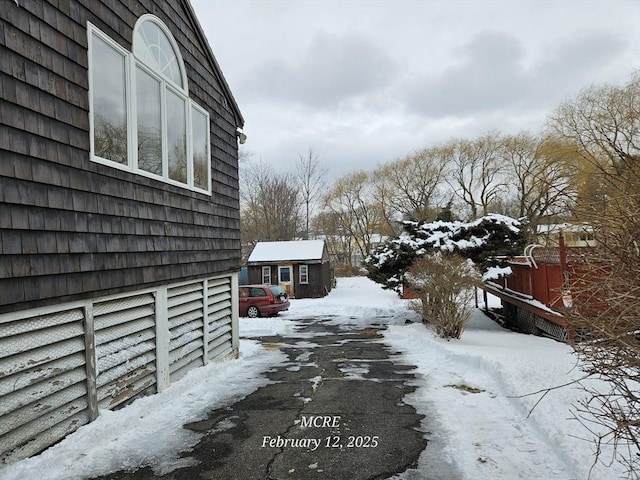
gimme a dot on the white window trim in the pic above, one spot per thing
(266, 272)
(306, 273)
(195, 106)
(130, 63)
(282, 268)
(91, 31)
(148, 17)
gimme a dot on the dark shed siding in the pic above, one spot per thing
(254, 274)
(320, 278)
(319, 281)
(71, 228)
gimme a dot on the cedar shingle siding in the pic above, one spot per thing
(74, 229)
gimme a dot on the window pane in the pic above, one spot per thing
(149, 123)
(285, 274)
(169, 60)
(109, 102)
(176, 137)
(152, 46)
(200, 127)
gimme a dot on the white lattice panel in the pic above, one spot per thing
(186, 328)
(48, 388)
(551, 329)
(43, 387)
(219, 318)
(125, 348)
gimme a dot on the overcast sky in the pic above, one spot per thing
(366, 82)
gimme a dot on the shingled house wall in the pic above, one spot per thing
(112, 284)
(71, 228)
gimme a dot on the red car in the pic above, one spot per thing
(257, 300)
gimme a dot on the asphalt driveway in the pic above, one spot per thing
(335, 410)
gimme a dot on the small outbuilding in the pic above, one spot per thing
(301, 267)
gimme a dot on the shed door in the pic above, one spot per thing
(285, 278)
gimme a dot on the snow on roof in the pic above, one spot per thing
(287, 251)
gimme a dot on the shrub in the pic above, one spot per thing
(445, 284)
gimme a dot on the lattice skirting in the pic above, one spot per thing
(60, 365)
(525, 321)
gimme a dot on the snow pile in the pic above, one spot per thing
(351, 302)
(504, 403)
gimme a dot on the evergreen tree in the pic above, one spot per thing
(481, 240)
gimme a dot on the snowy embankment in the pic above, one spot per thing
(474, 389)
(483, 390)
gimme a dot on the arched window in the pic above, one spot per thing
(154, 46)
(141, 116)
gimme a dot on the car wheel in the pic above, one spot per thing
(253, 312)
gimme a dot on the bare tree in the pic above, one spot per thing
(605, 317)
(312, 178)
(477, 172)
(270, 204)
(603, 124)
(350, 203)
(445, 284)
(409, 188)
(337, 239)
(539, 170)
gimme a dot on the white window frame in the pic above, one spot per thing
(304, 278)
(91, 31)
(266, 273)
(282, 268)
(131, 63)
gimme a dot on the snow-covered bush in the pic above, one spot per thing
(444, 283)
(480, 240)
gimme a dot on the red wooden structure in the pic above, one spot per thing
(533, 295)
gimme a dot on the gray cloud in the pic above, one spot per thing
(331, 70)
(581, 56)
(492, 75)
(488, 75)
(363, 82)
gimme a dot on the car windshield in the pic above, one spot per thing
(277, 291)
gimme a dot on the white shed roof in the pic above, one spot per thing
(294, 250)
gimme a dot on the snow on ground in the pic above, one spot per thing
(479, 387)
(476, 387)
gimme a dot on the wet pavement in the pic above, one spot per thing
(334, 410)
